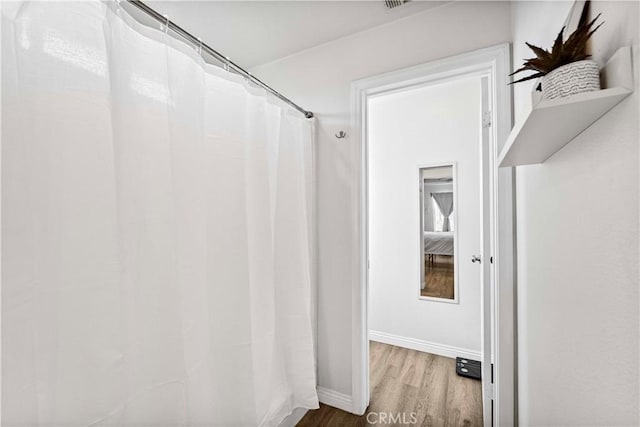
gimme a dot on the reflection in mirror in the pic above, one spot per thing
(437, 229)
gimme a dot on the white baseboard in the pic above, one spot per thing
(335, 399)
(425, 346)
(293, 418)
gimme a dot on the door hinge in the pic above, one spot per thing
(490, 391)
(492, 373)
(486, 119)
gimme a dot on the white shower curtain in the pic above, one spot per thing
(156, 231)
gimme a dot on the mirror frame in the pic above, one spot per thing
(421, 254)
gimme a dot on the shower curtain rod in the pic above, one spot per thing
(220, 57)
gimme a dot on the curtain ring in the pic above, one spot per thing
(165, 27)
(226, 63)
(199, 46)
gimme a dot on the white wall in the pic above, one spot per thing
(431, 125)
(319, 79)
(578, 248)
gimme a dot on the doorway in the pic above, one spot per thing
(425, 216)
(494, 260)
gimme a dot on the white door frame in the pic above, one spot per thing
(495, 62)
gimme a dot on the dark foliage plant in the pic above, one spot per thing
(563, 52)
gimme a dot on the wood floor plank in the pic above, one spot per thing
(377, 365)
(462, 399)
(410, 385)
(397, 357)
(414, 368)
(433, 392)
(439, 278)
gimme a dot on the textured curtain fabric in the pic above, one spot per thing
(156, 231)
(445, 204)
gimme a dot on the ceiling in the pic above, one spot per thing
(256, 32)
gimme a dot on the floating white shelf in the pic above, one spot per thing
(554, 123)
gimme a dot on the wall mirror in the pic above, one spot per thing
(438, 233)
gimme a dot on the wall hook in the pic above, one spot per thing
(341, 134)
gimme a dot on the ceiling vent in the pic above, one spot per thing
(392, 4)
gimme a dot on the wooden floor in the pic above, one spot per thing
(411, 385)
(438, 277)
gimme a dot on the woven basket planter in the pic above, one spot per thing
(577, 77)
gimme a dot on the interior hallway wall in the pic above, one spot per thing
(578, 246)
(319, 79)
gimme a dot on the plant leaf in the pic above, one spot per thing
(556, 50)
(519, 70)
(524, 79)
(541, 53)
